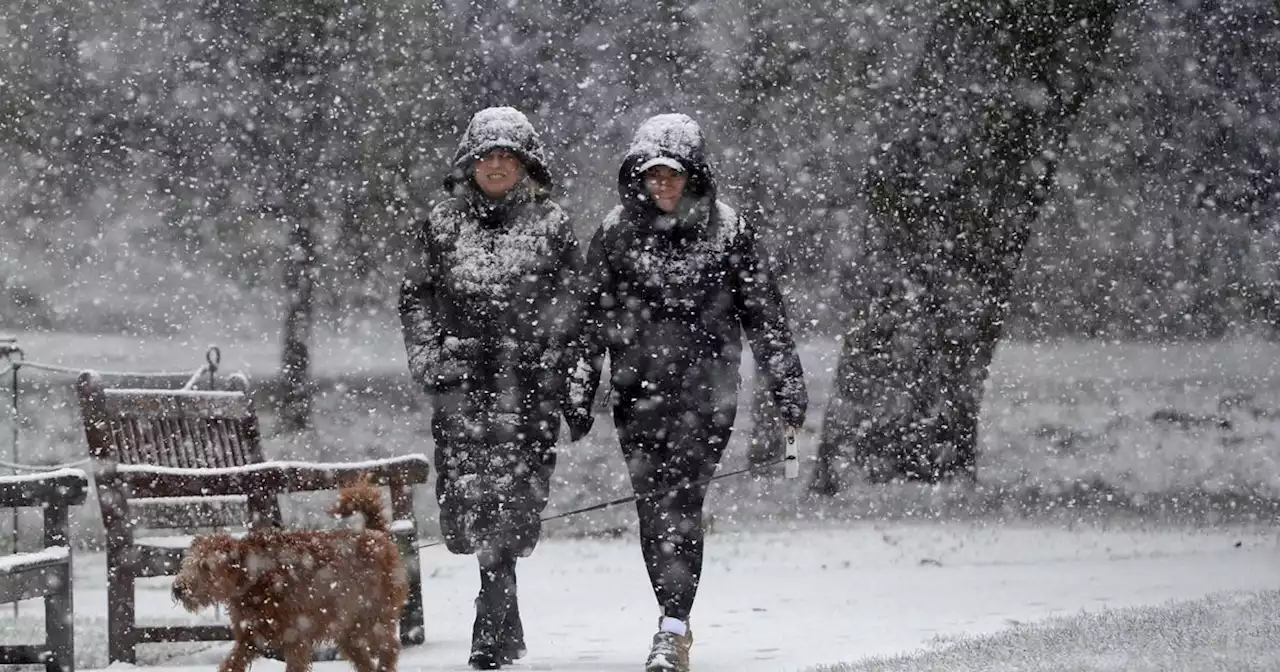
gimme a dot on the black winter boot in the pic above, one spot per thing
(496, 640)
(512, 636)
(486, 651)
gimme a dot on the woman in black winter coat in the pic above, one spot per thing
(486, 307)
(673, 277)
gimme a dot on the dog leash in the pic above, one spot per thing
(791, 459)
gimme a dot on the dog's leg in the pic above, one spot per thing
(386, 640)
(389, 652)
(241, 656)
(297, 657)
(355, 647)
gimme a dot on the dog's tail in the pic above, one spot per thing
(362, 497)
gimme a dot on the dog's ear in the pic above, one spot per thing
(218, 553)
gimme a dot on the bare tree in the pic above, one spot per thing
(308, 44)
(974, 145)
(762, 72)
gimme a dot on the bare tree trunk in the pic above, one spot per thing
(299, 281)
(952, 196)
(305, 52)
(761, 74)
(765, 445)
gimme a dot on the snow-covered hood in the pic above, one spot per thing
(499, 127)
(670, 136)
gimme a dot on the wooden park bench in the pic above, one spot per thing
(170, 461)
(45, 572)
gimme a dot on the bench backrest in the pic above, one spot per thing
(171, 428)
(167, 427)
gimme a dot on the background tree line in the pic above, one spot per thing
(278, 150)
(201, 136)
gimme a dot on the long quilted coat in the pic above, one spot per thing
(486, 307)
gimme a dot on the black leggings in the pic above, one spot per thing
(663, 453)
(497, 621)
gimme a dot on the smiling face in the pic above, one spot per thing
(497, 172)
(666, 186)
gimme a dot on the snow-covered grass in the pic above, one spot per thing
(1235, 631)
(1070, 430)
(775, 598)
(1075, 436)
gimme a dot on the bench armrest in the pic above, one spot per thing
(272, 477)
(67, 487)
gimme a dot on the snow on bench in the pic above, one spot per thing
(184, 501)
(21, 479)
(179, 541)
(22, 561)
(277, 476)
(142, 393)
(272, 465)
(65, 486)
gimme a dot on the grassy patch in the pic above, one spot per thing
(1070, 431)
(1232, 632)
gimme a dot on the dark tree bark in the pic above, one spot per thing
(764, 73)
(307, 42)
(299, 282)
(765, 443)
(953, 192)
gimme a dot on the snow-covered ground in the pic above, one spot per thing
(788, 598)
(1237, 631)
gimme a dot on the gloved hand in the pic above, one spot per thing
(792, 416)
(580, 421)
(793, 401)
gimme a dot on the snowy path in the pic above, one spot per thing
(786, 600)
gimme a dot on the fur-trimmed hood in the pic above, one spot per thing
(494, 128)
(675, 137)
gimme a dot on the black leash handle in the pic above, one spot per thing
(629, 499)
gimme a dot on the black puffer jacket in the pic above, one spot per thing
(486, 308)
(668, 297)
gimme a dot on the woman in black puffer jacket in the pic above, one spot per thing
(673, 278)
(487, 309)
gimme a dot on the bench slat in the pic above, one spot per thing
(175, 442)
(68, 487)
(153, 404)
(184, 633)
(267, 477)
(35, 581)
(23, 654)
(184, 513)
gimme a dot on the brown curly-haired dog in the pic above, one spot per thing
(288, 591)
